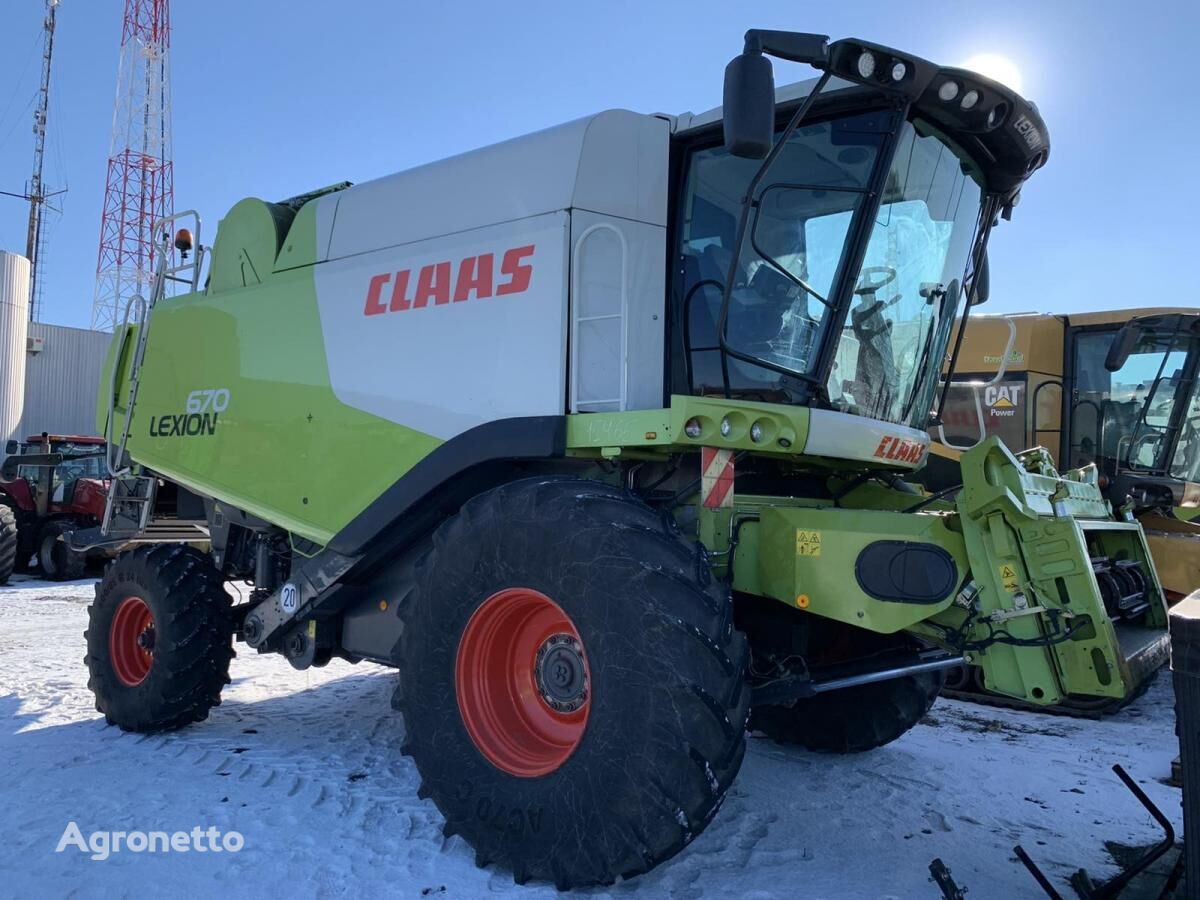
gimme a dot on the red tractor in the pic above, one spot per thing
(49, 486)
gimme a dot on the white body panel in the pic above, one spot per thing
(14, 328)
(591, 194)
(442, 366)
(843, 436)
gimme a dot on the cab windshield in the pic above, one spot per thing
(803, 232)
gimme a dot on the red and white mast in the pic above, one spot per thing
(139, 187)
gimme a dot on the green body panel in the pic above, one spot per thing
(807, 557)
(784, 428)
(285, 448)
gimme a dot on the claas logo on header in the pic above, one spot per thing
(474, 277)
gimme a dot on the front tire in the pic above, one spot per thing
(159, 639)
(571, 682)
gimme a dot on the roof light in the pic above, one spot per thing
(899, 70)
(756, 432)
(948, 91)
(865, 64)
(693, 428)
(726, 427)
(970, 98)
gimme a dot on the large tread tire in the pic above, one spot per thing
(57, 561)
(854, 719)
(9, 542)
(665, 734)
(193, 639)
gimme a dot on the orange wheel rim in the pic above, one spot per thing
(131, 641)
(523, 682)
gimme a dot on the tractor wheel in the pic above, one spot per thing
(853, 719)
(571, 682)
(159, 639)
(57, 561)
(8, 542)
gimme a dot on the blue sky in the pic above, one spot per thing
(274, 98)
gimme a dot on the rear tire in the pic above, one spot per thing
(854, 719)
(159, 639)
(654, 669)
(8, 542)
(57, 561)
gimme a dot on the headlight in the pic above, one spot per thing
(756, 432)
(865, 64)
(692, 428)
(726, 427)
(948, 91)
(970, 98)
(899, 70)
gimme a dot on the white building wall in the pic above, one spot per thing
(62, 379)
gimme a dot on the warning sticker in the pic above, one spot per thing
(1008, 576)
(808, 543)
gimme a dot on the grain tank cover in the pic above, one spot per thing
(613, 163)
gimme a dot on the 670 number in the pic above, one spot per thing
(215, 399)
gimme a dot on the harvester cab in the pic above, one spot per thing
(669, 486)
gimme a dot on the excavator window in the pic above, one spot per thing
(1123, 419)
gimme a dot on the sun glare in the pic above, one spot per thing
(997, 67)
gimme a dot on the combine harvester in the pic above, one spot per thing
(600, 437)
(1117, 390)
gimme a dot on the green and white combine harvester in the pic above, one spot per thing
(480, 421)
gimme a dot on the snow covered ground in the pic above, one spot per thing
(306, 766)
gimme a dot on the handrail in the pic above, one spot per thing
(163, 271)
(110, 461)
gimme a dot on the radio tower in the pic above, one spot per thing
(139, 188)
(35, 189)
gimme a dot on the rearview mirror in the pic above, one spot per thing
(749, 106)
(981, 289)
(11, 447)
(1122, 346)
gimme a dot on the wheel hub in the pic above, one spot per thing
(561, 674)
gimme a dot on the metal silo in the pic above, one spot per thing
(14, 327)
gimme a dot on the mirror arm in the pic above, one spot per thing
(812, 49)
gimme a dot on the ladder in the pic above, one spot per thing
(131, 494)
